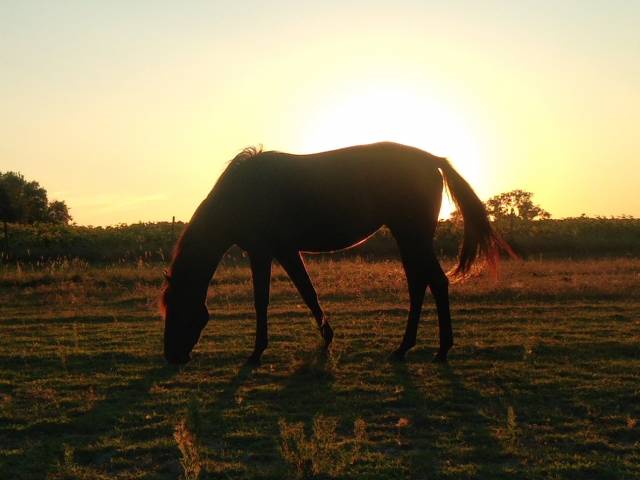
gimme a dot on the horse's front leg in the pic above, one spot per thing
(261, 272)
(294, 266)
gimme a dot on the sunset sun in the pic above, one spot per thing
(399, 114)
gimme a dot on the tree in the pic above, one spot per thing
(7, 214)
(23, 201)
(58, 212)
(515, 204)
(7, 209)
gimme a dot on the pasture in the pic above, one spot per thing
(542, 382)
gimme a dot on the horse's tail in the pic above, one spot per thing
(480, 239)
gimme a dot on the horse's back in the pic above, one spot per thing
(330, 200)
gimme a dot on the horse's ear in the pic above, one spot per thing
(166, 276)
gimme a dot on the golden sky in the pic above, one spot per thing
(129, 111)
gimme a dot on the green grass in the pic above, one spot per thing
(542, 383)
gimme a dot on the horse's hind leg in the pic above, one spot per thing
(294, 266)
(422, 268)
(439, 286)
(415, 270)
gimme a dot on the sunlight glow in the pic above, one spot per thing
(389, 113)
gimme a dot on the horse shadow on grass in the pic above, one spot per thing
(241, 431)
(446, 434)
(455, 431)
(47, 443)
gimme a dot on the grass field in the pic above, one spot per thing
(543, 381)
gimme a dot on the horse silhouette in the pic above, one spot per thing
(276, 205)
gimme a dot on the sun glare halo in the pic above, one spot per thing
(396, 114)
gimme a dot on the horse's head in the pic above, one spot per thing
(185, 315)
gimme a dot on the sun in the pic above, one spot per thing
(381, 113)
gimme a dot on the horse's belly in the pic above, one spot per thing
(332, 237)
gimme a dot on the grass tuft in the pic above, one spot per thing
(323, 452)
(186, 436)
(189, 451)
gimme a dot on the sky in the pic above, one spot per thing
(129, 111)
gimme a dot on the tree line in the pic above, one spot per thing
(580, 237)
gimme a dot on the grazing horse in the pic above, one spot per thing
(276, 205)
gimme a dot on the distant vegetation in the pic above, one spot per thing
(580, 237)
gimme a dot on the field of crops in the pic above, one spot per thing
(153, 242)
(542, 383)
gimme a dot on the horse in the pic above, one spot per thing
(276, 205)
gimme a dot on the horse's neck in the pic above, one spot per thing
(201, 250)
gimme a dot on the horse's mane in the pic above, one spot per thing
(244, 155)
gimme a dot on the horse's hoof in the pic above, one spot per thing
(440, 358)
(397, 356)
(253, 360)
(327, 335)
